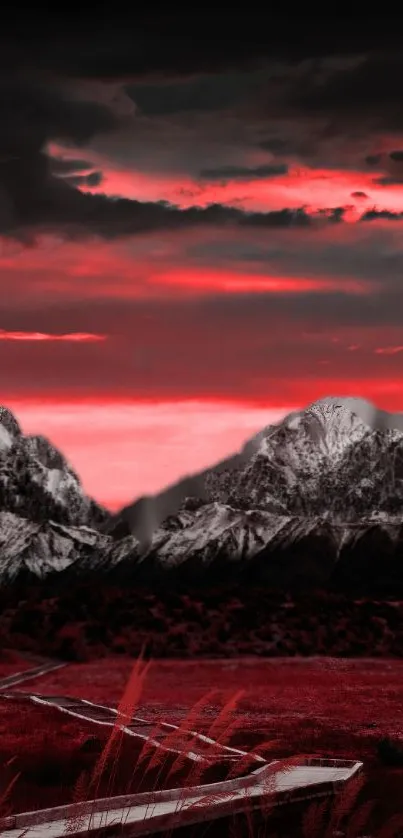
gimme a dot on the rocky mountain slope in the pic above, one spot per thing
(302, 466)
(316, 500)
(37, 483)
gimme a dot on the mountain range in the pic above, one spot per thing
(315, 501)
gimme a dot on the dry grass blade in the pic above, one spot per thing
(359, 819)
(241, 766)
(174, 739)
(6, 794)
(187, 724)
(124, 715)
(220, 723)
(182, 758)
(249, 758)
(148, 748)
(393, 828)
(196, 773)
(268, 783)
(114, 766)
(344, 803)
(76, 821)
(194, 714)
(158, 756)
(210, 800)
(313, 820)
(133, 690)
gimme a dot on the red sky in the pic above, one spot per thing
(147, 341)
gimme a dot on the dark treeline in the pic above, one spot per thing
(84, 621)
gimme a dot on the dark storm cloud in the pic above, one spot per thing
(307, 108)
(59, 166)
(33, 199)
(168, 73)
(388, 180)
(373, 159)
(183, 40)
(367, 93)
(177, 65)
(336, 214)
(34, 196)
(92, 179)
(228, 173)
(392, 165)
(275, 145)
(200, 93)
(292, 145)
(385, 215)
(32, 114)
(57, 206)
(353, 251)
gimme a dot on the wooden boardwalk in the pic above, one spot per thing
(173, 738)
(144, 814)
(265, 784)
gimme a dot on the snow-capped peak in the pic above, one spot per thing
(332, 426)
(372, 416)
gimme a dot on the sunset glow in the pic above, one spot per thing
(188, 250)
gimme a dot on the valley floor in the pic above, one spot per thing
(329, 707)
(366, 693)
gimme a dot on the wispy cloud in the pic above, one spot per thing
(388, 350)
(75, 337)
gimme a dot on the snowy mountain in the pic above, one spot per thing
(303, 465)
(37, 483)
(315, 500)
(317, 497)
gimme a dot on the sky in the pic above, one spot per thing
(201, 229)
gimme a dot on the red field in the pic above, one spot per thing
(11, 663)
(342, 693)
(324, 706)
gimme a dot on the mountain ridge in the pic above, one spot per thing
(316, 499)
(144, 516)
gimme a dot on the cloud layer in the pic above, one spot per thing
(200, 212)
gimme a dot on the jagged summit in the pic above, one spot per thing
(9, 428)
(328, 425)
(374, 417)
(330, 413)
